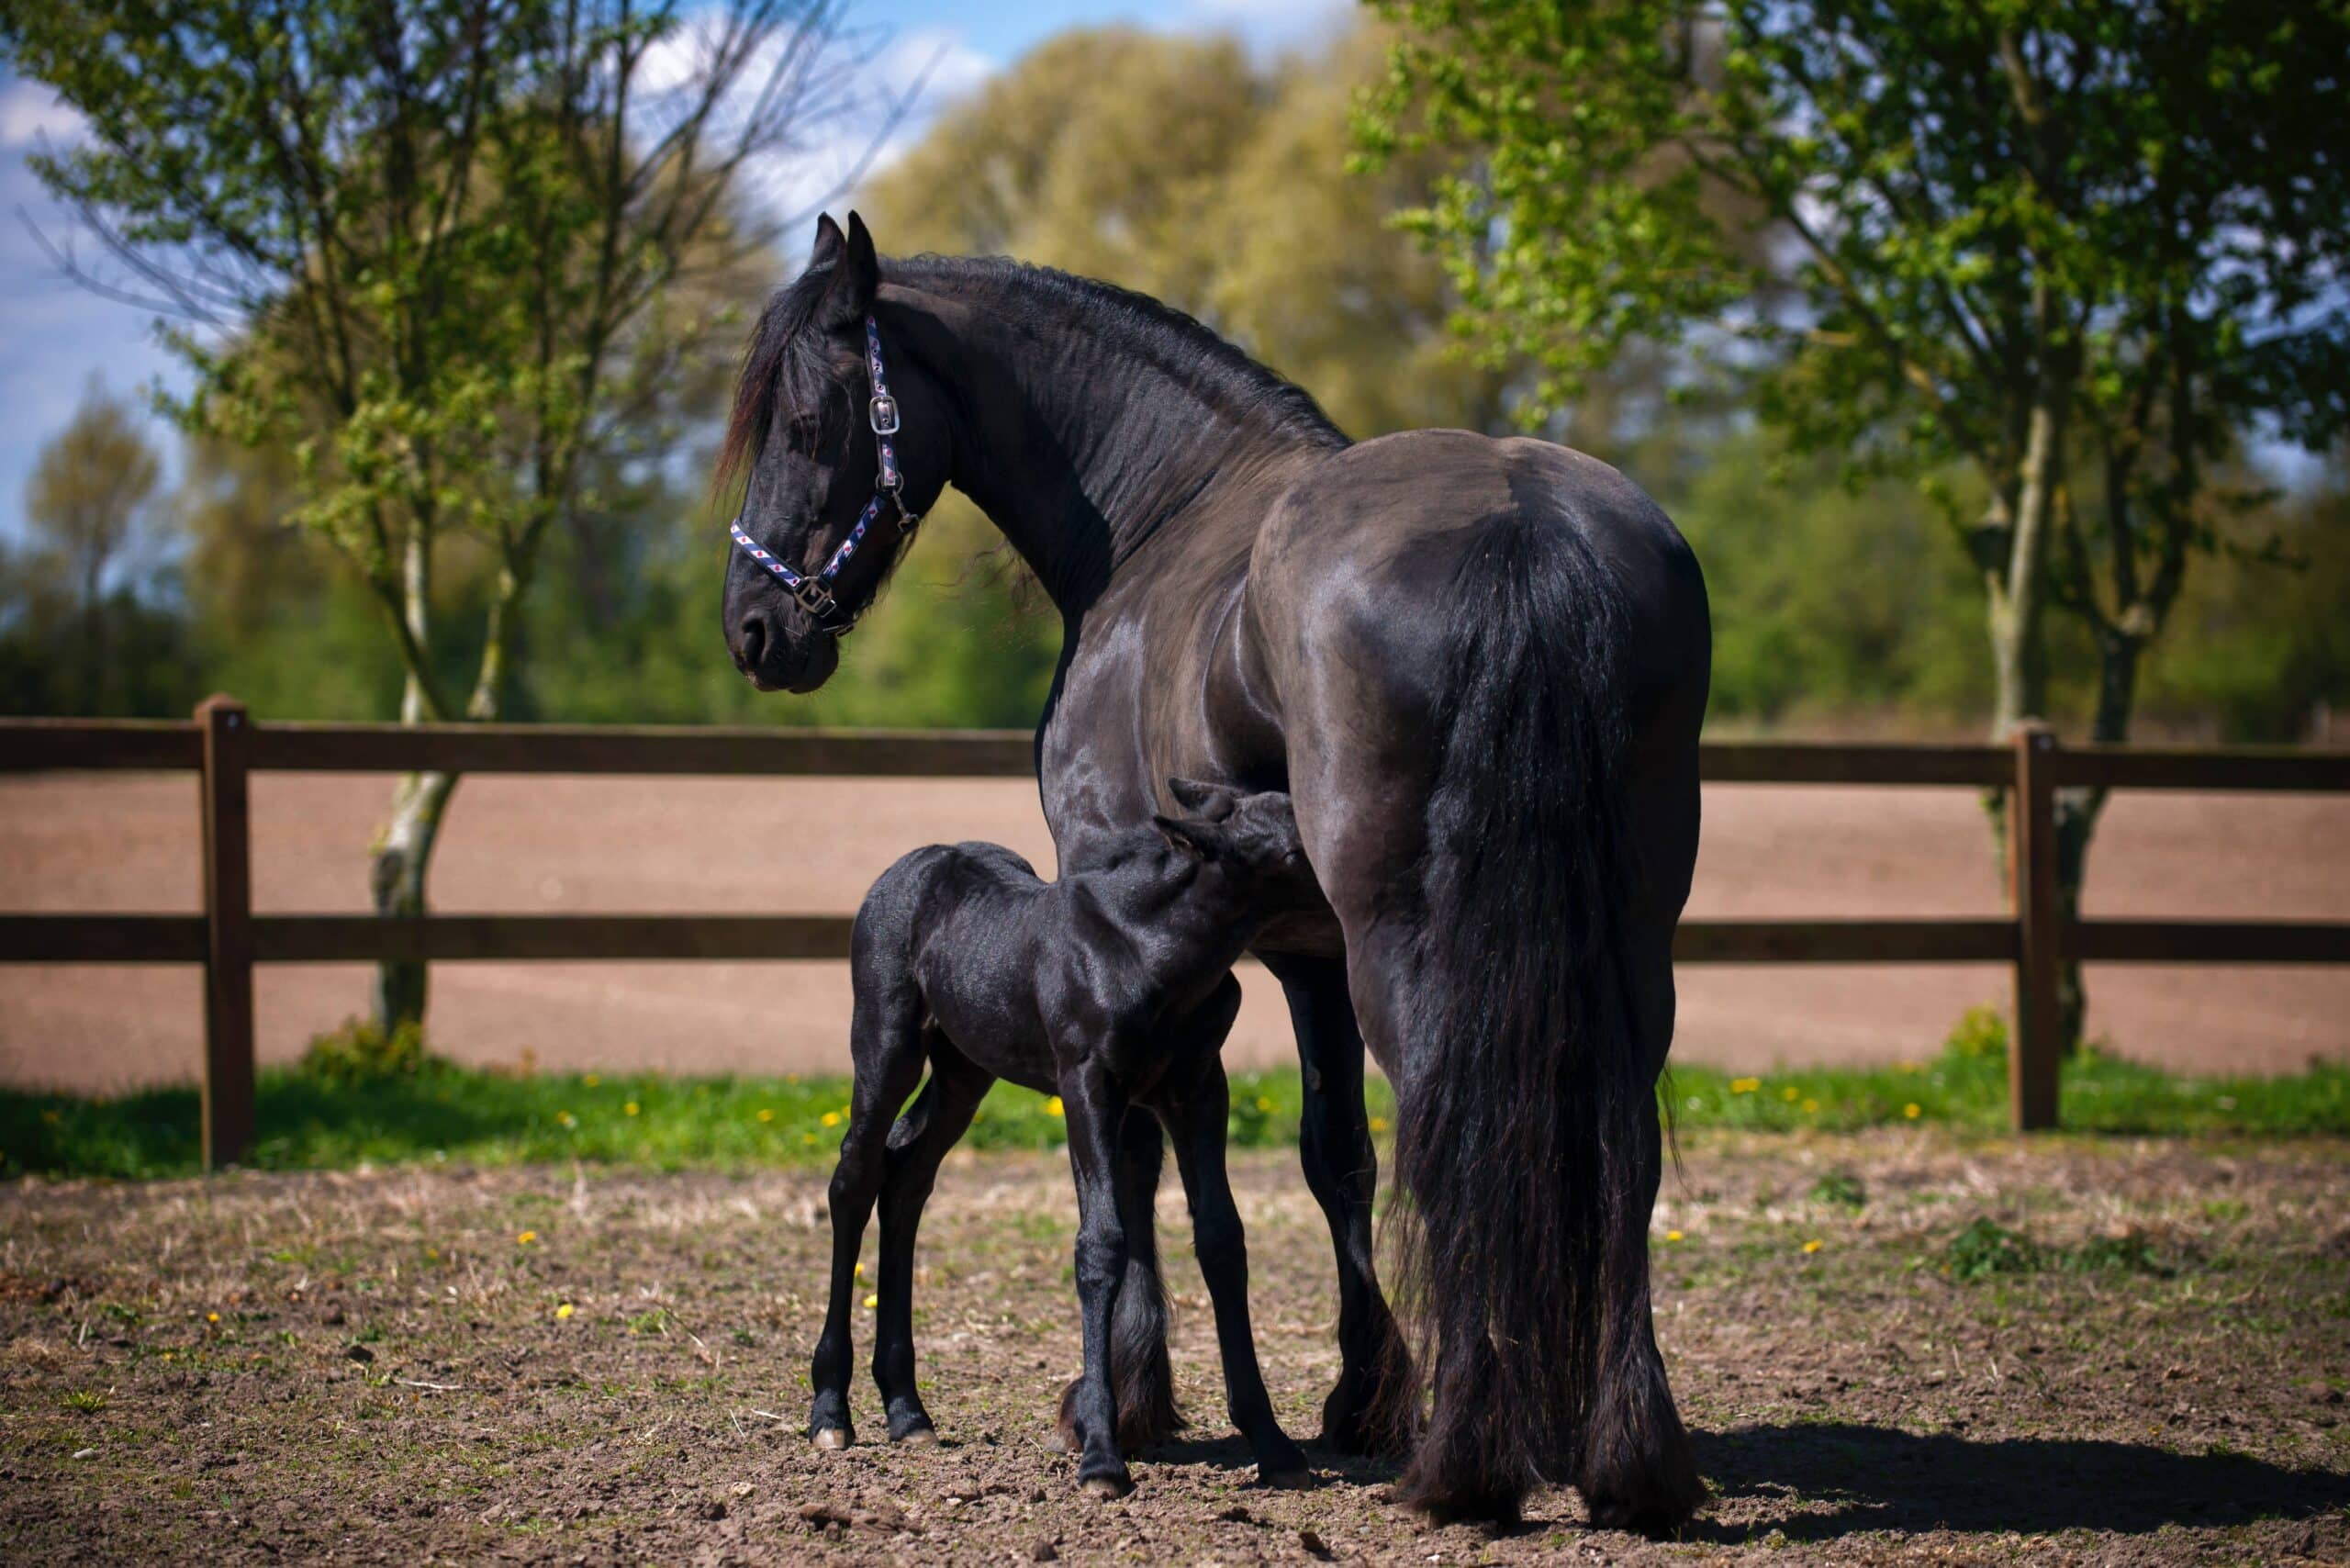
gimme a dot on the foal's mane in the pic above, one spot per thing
(788, 366)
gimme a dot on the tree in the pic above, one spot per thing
(83, 500)
(439, 242)
(2073, 249)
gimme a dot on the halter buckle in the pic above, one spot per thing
(815, 598)
(883, 414)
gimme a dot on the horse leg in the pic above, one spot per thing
(1636, 1471)
(1095, 1107)
(1197, 1116)
(1140, 1373)
(885, 1043)
(930, 1126)
(1374, 1407)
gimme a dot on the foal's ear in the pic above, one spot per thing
(1198, 840)
(856, 276)
(1212, 801)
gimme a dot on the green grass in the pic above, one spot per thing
(433, 1111)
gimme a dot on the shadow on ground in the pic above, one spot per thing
(1880, 1478)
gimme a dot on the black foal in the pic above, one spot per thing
(1111, 988)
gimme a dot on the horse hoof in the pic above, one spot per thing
(1285, 1480)
(1109, 1488)
(919, 1438)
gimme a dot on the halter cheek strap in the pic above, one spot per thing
(814, 592)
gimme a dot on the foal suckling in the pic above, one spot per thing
(1111, 988)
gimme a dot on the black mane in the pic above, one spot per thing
(786, 364)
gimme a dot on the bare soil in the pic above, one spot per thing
(551, 1365)
(111, 843)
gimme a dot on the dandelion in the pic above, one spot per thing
(1379, 1123)
(630, 1109)
(432, 1254)
(832, 1118)
(1264, 1102)
(1744, 1085)
(592, 1080)
(566, 1118)
(212, 1317)
(860, 1270)
(1788, 1094)
(1909, 1068)
(1673, 1235)
(808, 1140)
(871, 1301)
(526, 1237)
(1913, 1110)
(1811, 1107)
(1052, 1107)
(765, 1115)
(563, 1312)
(1814, 1245)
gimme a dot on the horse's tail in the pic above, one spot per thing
(1527, 1133)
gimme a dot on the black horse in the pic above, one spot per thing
(1478, 666)
(1114, 987)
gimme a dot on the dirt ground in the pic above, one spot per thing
(591, 1366)
(110, 842)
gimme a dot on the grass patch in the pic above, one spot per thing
(353, 1106)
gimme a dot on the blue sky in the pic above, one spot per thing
(54, 335)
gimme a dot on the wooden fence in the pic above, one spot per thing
(224, 746)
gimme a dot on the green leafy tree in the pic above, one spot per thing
(2072, 250)
(84, 500)
(444, 239)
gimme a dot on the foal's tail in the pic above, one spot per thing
(1528, 1134)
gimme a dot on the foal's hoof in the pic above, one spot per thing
(1285, 1479)
(917, 1437)
(1109, 1488)
(829, 1437)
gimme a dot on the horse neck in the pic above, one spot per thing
(1078, 436)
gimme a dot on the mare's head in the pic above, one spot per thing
(802, 439)
(1249, 839)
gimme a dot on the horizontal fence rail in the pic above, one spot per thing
(222, 747)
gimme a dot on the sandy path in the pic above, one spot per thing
(111, 843)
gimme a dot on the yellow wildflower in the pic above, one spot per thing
(1913, 1110)
(1788, 1094)
(1814, 1245)
(1811, 1107)
(566, 1118)
(808, 1139)
(526, 1237)
(1744, 1085)
(1264, 1102)
(563, 1312)
(592, 1080)
(860, 1270)
(212, 1317)
(832, 1118)
(1379, 1123)
(1052, 1107)
(1673, 1235)
(630, 1109)
(871, 1301)
(765, 1115)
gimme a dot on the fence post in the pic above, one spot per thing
(228, 932)
(2035, 1053)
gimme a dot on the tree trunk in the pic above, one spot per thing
(404, 851)
(2078, 811)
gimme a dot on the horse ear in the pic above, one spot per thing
(829, 243)
(1202, 799)
(1197, 840)
(856, 278)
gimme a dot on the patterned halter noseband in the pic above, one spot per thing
(814, 593)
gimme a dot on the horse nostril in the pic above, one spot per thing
(755, 640)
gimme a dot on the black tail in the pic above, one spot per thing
(1527, 1135)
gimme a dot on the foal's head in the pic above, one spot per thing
(1249, 841)
(807, 437)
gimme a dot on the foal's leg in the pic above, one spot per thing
(1374, 1407)
(886, 1041)
(1095, 1106)
(931, 1125)
(1140, 1373)
(1196, 1111)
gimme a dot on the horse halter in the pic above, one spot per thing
(814, 593)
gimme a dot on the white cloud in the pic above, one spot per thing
(29, 111)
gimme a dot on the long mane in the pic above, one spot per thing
(788, 366)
